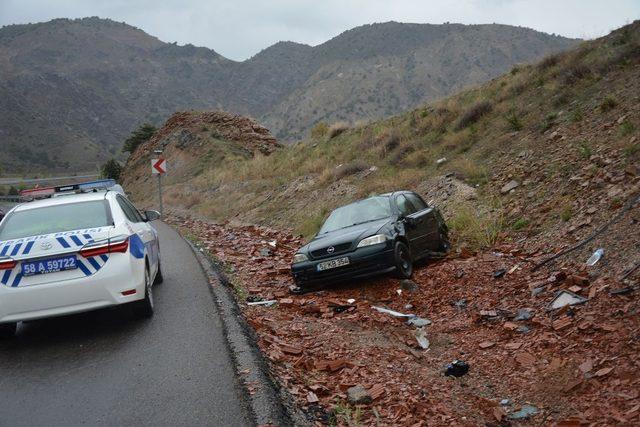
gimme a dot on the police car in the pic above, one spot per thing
(87, 250)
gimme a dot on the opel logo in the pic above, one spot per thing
(330, 249)
(45, 246)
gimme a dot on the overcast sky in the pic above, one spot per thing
(239, 29)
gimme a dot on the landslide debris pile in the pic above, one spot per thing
(192, 142)
(345, 362)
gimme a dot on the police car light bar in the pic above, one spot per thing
(38, 192)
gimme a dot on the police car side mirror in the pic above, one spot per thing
(151, 215)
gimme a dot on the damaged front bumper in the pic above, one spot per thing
(363, 262)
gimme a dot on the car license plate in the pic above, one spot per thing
(50, 265)
(334, 263)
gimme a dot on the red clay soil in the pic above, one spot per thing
(577, 365)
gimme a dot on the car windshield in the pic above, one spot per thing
(54, 219)
(366, 210)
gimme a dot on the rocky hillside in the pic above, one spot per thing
(194, 143)
(71, 90)
(548, 152)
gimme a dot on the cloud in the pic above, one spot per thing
(239, 29)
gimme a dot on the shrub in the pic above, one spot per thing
(514, 121)
(474, 227)
(631, 149)
(576, 115)
(625, 129)
(473, 114)
(520, 224)
(548, 62)
(608, 104)
(566, 213)
(319, 130)
(337, 128)
(549, 121)
(574, 73)
(349, 169)
(585, 149)
(388, 140)
(138, 137)
(111, 170)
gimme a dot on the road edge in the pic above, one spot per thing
(270, 404)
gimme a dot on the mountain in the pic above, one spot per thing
(72, 90)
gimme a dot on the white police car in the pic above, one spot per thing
(76, 253)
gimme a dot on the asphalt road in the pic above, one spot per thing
(109, 368)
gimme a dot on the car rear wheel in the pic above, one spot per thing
(159, 279)
(8, 330)
(404, 263)
(144, 308)
(445, 244)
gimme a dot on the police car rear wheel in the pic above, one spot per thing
(144, 308)
(8, 330)
(159, 279)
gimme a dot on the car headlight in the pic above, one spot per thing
(300, 258)
(373, 240)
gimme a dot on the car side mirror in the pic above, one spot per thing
(152, 215)
(411, 222)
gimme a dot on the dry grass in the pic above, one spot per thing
(337, 129)
(473, 114)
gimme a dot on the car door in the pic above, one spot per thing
(412, 227)
(143, 231)
(427, 222)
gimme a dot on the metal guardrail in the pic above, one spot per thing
(12, 199)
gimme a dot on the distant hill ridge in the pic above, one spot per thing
(71, 90)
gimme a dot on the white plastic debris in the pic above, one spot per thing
(595, 257)
(441, 160)
(399, 292)
(351, 301)
(421, 337)
(418, 322)
(391, 312)
(273, 243)
(566, 298)
(268, 303)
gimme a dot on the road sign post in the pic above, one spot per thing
(159, 167)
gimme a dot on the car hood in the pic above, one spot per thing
(351, 234)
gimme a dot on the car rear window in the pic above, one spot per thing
(54, 219)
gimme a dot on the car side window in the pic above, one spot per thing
(417, 202)
(404, 206)
(129, 211)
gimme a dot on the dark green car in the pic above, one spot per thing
(380, 234)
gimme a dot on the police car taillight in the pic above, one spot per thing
(115, 244)
(7, 263)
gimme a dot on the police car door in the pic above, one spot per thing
(143, 231)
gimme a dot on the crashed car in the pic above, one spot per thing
(376, 235)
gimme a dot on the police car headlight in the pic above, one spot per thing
(373, 240)
(300, 258)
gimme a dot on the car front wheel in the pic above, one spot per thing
(404, 263)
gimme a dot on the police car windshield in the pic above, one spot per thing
(56, 218)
